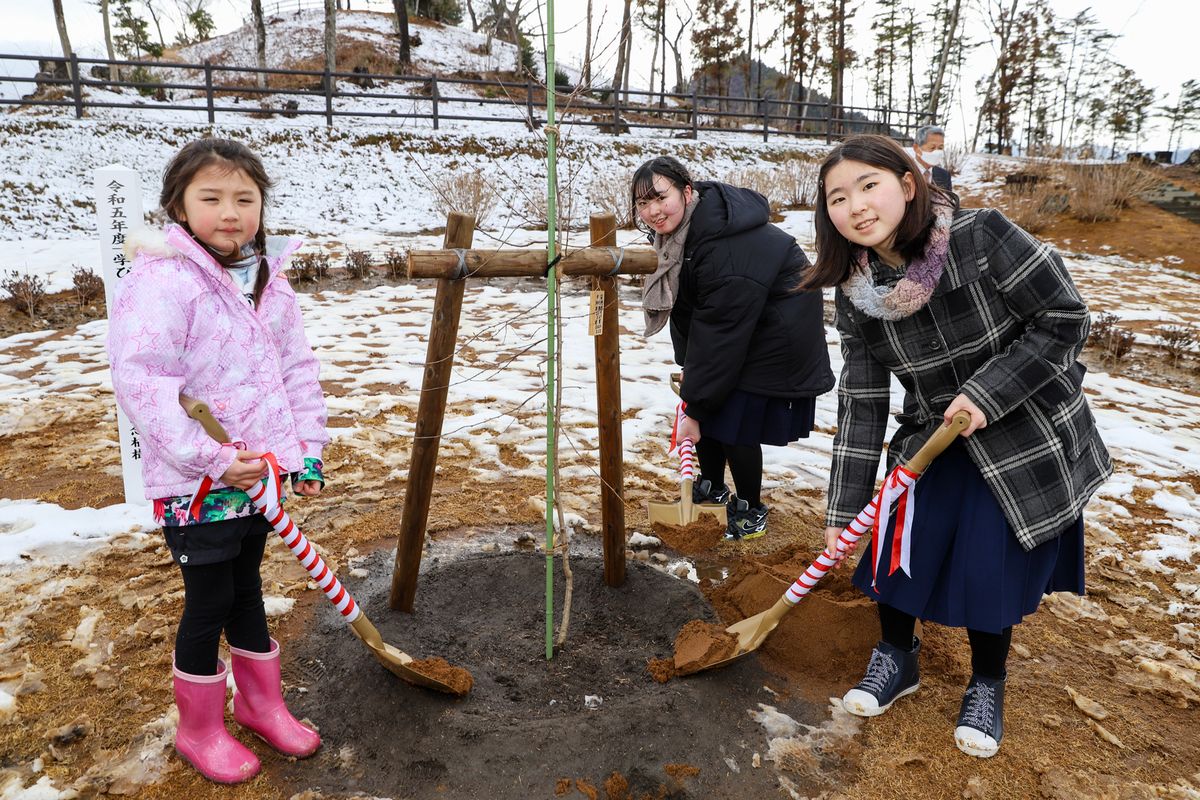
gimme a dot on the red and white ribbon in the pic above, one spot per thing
(687, 460)
(267, 496)
(869, 520)
(897, 488)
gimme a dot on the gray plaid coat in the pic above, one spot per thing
(1005, 326)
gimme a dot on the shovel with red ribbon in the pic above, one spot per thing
(267, 498)
(683, 511)
(897, 489)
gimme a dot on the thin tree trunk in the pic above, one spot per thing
(260, 42)
(157, 25)
(1005, 29)
(935, 94)
(331, 39)
(654, 60)
(587, 49)
(662, 74)
(61, 21)
(750, 55)
(471, 13)
(622, 48)
(401, 8)
(108, 44)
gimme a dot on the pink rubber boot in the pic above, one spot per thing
(258, 703)
(201, 737)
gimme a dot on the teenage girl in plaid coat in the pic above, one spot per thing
(968, 312)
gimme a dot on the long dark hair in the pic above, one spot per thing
(234, 156)
(642, 185)
(834, 251)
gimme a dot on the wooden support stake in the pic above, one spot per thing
(608, 407)
(435, 384)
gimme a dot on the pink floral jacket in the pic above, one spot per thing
(181, 325)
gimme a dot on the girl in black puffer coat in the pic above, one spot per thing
(752, 348)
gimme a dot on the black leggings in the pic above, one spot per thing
(745, 465)
(989, 651)
(225, 596)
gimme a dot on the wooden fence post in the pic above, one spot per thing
(208, 93)
(529, 103)
(829, 121)
(766, 112)
(608, 413)
(433, 93)
(431, 410)
(76, 87)
(328, 78)
(616, 112)
(695, 113)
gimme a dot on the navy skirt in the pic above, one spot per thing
(746, 418)
(968, 569)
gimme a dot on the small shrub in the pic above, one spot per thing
(147, 81)
(956, 154)
(396, 263)
(799, 179)
(466, 192)
(1119, 344)
(1035, 206)
(992, 169)
(562, 81)
(25, 292)
(609, 192)
(1176, 340)
(309, 267)
(763, 180)
(88, 285)
(358, 264)
(1101, 191)
(1114, 341)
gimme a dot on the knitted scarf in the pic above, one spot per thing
(661, 288)
(921, 277)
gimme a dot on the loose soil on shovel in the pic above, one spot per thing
(528, 728)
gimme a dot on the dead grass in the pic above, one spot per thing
(1100, 192)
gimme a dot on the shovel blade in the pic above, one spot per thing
(392, 658)
(673, 513)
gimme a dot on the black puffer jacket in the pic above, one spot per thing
(737, 323)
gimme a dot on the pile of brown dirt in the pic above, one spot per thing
(825, 640)
(696, 537)
(442, 671)
(700, 644)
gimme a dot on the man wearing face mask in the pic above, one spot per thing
(929, 148)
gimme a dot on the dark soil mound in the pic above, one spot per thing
(526, 730)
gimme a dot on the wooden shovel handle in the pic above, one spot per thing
(198, 410)
(940, 440)
(676, 382)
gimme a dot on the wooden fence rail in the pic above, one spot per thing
(687, 114)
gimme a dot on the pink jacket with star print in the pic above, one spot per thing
(181, 325)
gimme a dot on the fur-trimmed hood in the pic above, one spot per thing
(174, 241)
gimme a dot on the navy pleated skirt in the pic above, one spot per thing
(968, 569)
(747, 418)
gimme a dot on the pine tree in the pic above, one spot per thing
(1184, 114)
(716, 40)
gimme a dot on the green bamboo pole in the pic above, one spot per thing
(551, 322)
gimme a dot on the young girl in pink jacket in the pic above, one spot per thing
(206, 312)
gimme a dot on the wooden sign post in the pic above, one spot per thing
(119, 212)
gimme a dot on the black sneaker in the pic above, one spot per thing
(981, 718)
(704, 492)
(891, 674)
(744, 522)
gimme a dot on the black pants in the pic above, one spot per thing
(989, 651)
(223, 596)
(745, 465)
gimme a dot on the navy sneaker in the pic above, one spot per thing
(744, 522)
(981, 718)
(891, 674)
(703, 491)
